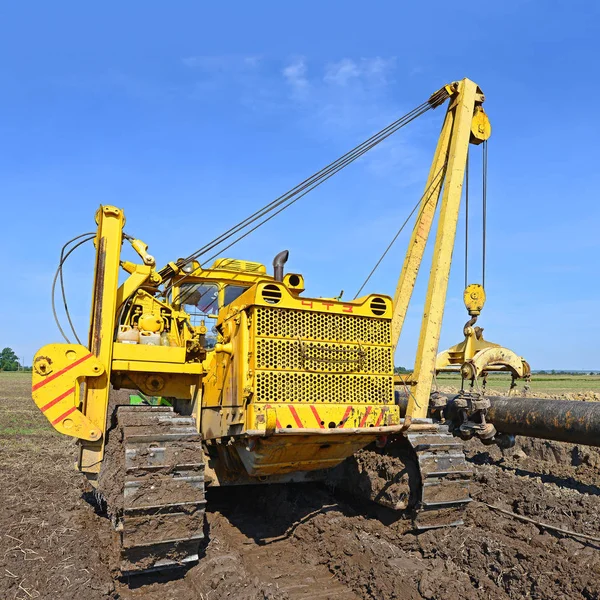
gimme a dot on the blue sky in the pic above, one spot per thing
(191, 115)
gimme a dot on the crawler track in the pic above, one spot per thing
(424, 474)
(162, 517)
(445, 478)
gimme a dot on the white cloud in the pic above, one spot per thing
(372, 69)
(345, 100)
(295, 74)
(341, 72)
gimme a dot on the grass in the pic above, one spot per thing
(545, 384)
(19, 416)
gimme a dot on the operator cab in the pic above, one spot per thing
(202, 293)
(202, 301)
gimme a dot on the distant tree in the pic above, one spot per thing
(401, 370)
(9, 361)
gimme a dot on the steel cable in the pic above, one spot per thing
(401, 229)
(313, 178)
(301, 189)
(484, 210)
(467, 222)
(291, 201)
(312, 182)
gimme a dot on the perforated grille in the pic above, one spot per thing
(278, 386)
(297, 355)
(325, 358)
(281, 322)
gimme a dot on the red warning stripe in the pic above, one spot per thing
(61, 372)
(346, 415)
(64, 415)
(56, 400)
(296, 417)
(379, 418)
(317, 417)
(365, 416)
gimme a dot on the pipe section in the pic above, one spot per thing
(570, 421)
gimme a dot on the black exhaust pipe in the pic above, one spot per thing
(278, 264)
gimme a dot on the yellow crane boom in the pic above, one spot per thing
(465, 123)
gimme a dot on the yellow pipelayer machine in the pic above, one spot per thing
(261, 382)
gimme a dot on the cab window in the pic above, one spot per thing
(200, 298)
(201, 302)
(232, 292)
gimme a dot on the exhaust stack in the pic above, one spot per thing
(278, 264)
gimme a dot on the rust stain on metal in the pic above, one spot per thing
(97, 299)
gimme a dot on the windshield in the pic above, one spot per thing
(200, 298)
(201, 302)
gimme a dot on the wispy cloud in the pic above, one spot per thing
(350, 99)
(342, 72)
(346, 100)
(341, 93)
(295, 74)
(373, 70)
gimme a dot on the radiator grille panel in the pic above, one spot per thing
(297, 355)
(312, 357)
(294, 324)
(274, 386)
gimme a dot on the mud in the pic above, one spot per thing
(389, 479)
(110, 481)
(306, 541)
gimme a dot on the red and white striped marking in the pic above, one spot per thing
(63, 416)
(317, 417)
(296, 417)
(365, 416)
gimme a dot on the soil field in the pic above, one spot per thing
(304, 541)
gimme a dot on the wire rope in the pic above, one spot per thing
(401, 229)
(467, 222)
(300, 190)
(484, 211)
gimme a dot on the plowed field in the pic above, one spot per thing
(304, 541)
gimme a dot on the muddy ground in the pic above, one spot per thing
(304, 541)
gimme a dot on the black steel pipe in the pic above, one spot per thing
(571, 421)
